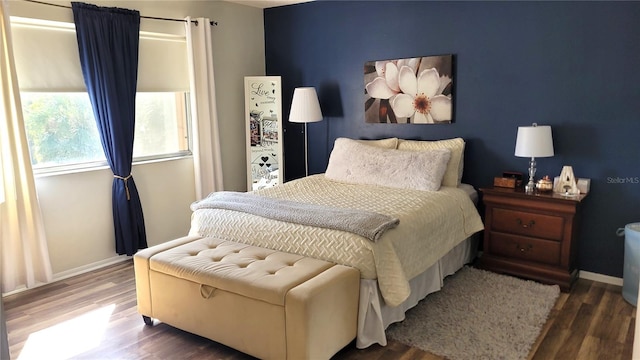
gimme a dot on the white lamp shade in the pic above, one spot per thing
(534, 141)
(305, 107)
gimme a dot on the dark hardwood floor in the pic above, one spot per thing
(93, 316)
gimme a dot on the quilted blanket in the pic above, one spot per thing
(431, 223)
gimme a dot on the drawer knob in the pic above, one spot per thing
(526, 226)
(524, 248)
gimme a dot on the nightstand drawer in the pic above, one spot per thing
(525, 248)
(528, 224)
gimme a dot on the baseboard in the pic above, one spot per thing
(74, 272)
(590, 276)
(600, 278)
(117, 259)
(89, 267)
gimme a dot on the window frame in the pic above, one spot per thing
(50, 170)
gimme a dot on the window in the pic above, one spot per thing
(161, 125)
(62, 132)
(61, 129)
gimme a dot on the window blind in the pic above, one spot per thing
(47, 60)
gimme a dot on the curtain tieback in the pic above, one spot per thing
(126, 187)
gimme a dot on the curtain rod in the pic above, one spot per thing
(212, 23)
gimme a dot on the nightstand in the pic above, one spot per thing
(533, 236)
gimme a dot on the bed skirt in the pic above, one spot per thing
(375, 316)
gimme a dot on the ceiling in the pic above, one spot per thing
(267, 3)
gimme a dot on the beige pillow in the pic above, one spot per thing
(390, 143)
(353, 162)
(453, 174)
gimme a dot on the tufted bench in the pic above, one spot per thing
(266, 303)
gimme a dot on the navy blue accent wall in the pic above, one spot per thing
(572, 65)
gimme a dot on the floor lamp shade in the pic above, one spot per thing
(305, 107)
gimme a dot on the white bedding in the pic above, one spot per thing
(431, 224)
(374, 316)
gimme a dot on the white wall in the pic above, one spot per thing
(77, 207)
(77, 210)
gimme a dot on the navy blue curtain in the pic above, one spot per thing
(108, 43)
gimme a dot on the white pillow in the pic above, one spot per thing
(453, 174)
(353, 162)
(389, 143)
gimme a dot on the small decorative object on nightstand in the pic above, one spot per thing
(566, 184)
(545, 184)
(531, 235)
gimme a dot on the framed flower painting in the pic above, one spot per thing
(409, 91)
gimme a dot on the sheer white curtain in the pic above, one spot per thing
(206, 140)
(23, 247)
(4, 343)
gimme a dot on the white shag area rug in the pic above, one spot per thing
(478, 315)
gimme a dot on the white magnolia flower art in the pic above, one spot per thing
(409, 91)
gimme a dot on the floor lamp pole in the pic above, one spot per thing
(306, 161)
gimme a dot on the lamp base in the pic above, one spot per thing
(530, 187)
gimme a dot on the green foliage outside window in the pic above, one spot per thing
(62, 131)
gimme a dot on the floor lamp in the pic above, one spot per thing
(305, 108)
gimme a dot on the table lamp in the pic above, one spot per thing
(532, 142)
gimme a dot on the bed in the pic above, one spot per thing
(434, 236)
